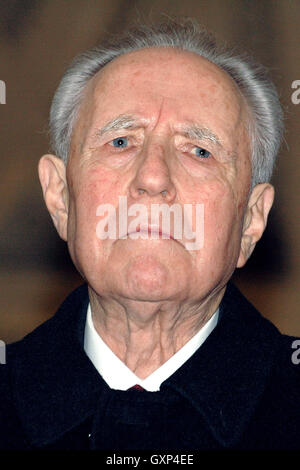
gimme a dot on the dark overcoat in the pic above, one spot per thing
(240, 390)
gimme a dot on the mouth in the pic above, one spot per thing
(148, 232)
(152, 233)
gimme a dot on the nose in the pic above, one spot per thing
(153, 175)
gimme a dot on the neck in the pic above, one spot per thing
(144, 335)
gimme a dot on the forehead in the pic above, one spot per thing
(166, 87)
(163, 73)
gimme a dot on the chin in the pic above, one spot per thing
(146, 288)
(148, 279)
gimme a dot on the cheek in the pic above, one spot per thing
(221, 218)
(95, 188)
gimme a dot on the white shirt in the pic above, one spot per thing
(115, 372)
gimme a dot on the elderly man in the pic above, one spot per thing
(158, 350)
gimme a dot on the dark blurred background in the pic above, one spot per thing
(38, 39)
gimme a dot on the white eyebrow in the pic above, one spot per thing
(194, 131)
(124, 121)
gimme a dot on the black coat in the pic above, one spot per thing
(240, 390)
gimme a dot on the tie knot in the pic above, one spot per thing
(136, 387)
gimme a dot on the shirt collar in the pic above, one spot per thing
(115, 372)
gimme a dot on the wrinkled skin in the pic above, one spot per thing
(149, 297)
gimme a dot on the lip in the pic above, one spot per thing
(152, 230)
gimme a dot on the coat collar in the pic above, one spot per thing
(56, 387)
(233, 367)
(223, 380)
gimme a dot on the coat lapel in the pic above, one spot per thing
(56, 386)
(227, 376)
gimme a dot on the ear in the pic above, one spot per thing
(52, 174)
(255, 220)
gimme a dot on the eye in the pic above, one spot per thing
(120, 142)
(201, 152)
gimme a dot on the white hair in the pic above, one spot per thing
(265, 127)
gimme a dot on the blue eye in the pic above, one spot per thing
(120, 142)
(201, 152)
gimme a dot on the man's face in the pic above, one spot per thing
(169, 98)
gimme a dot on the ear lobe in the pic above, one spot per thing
(255, 220)
(52, 174)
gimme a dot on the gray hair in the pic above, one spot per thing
(265, 128)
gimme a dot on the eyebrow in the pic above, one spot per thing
(194, 131)
(124, 121)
